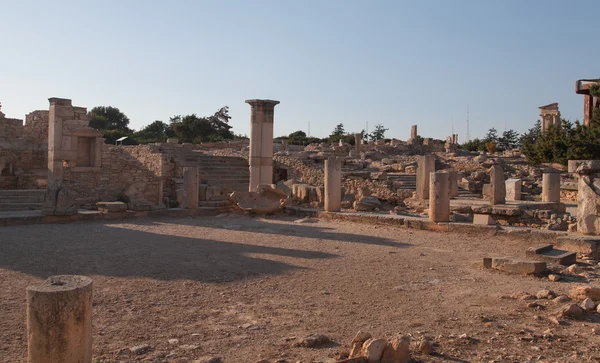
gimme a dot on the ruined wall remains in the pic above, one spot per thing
(305, 171)
(124, 169)
(36, 125)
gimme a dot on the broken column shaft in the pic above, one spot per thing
(439, 196)
(333, 184)
(551, 187)
(190, 187)
(425, 166)
(59, 320)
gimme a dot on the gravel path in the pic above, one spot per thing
(247, 288)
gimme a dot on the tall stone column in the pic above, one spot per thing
(551, 187)
(498, 185)
(190, 187)
(59, 320)
(261, 142)
(59, 111)
(439, 196)
(333, 184)
(413, 132)
(425, 166)
(588, 108)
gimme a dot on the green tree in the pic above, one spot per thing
(378, 133)
(509, 140)
(109, 118)
(194, 129)
(529, 139)
(157, 131)
(473, 145)
(492, 135)
(337, 134)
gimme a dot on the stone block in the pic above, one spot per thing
(202, 192)
(141, 206)
(483, 219)
(513, 189)
(111, 207)
(584, 166)
(551, 188)
(439, 197)
(588, 246)
(214, 193)
(515, 265)
(549, 254)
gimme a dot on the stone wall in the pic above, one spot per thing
(123, 169)
(305, 171)
(36, 125)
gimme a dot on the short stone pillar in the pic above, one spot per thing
(333, 184)
(439, 196)
(357, 142)
(453, 183)
(190, 188)
(513, 189)
(261, 142)
(425, 166)
(551, 187)
(284, 143)
(498, 185)
(413, 132)
(59, 320)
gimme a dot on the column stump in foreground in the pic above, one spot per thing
(439, 197)
(59, 320)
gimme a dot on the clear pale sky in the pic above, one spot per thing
(396, 63)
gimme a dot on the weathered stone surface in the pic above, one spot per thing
(483, 219)
(333, 184)
(367, 204)
(373, 349)
(426, 165)
(397, 351)
(584, 245)
(59, 320)
(190, 188)
(357, 343)
(547, 253)
(498, 192)
(580, 293)
(439, 197)
(515, 265)
(551, 188)
(141, 206)
(571, 311)
(313, 340)
(588, 304)
(584, 166)
(588, 202)
(266, 201)
(513, 189)
(453, 183)
(111, 207)
(348, 201)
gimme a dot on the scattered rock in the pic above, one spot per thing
(373, 349)
(209, 360)
(580, 293)
(357, 343)
(545, 294)
(313, 340)
(397, 351)
(572, 311)
(553, 277)
(588, 304)
(141, 349)
(367, 204)
(572, 270)
(561, 299)
(173, 341)
(426, 346)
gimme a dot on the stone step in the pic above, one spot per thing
(20, 206)
(22, 199)
(214, 203)
(22, 192)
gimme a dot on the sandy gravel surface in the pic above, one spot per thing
(246, 289)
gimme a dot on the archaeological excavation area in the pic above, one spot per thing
(265, 251)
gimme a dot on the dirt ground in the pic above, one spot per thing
(247, 289)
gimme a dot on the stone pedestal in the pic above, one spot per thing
(261, 142)
(425, 166)
(190, 188)
(513, 189)
(333, 184)
(498, 185)
(551, 187)
(59, 320)
(439, 196)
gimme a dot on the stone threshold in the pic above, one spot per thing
(35, 217)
